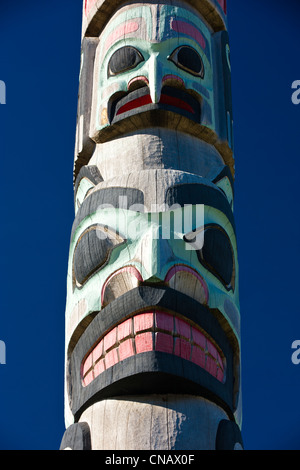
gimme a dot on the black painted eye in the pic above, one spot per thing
(216, 254)
(188, 59)
(93, 250)
(123, 59)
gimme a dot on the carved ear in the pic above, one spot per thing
(229, 436)
(77, 437)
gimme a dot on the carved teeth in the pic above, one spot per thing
(153, 331)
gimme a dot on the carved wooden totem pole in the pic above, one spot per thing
(152, 312)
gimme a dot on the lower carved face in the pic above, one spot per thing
(153, 58)
(154, 295)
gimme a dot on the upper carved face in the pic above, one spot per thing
(153, 57)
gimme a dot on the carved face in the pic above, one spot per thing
(153, 57)
(156, 262)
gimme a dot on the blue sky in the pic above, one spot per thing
(39, 57)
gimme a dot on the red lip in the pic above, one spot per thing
(164, 99)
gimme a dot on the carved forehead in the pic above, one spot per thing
(155, 23)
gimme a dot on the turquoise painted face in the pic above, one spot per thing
(153, 57)
(116, 250)
(121, 249)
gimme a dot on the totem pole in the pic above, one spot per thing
(152, 311)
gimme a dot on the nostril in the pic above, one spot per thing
(137, 82)
(173, 81)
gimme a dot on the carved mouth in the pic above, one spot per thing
(154, 331)
(152, 340)
(137, 101)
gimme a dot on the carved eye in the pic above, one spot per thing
(216, 254)
(93, 250)
(123, 59)
(188, 59)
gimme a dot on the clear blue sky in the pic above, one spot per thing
(39, 62)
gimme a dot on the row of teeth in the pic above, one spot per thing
(153, 331)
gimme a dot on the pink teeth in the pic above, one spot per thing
(153, 331)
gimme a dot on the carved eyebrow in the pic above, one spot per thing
(184, 27)
(121, 31)
(112, 196)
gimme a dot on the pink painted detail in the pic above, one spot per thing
(144, 321)
(212, 350)
(98, 351)
(164, 321)
(144, 342)
(128, 269)
(182, 328)
(198, 338)
(163, 343)
(87, 364)
(125, 329)
(198, 357)
(88, 378)
(173, 77)
(141, 78)
(121, 31)
(181, 267)
(88, 5)
(223, 5)
(99, 367)
(111, 358)
(110, 339)
(182, 348)
(126, 349)
(186, 28)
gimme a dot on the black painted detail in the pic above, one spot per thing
(228, 436)
(217, 254)
(225, 172)
(195, 193)
(125, 58)
(189, 60)
(76, 437)
(115, 197)
(93, 250)
(91, 172)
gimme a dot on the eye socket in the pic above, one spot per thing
(93, 250)
(123, 59)
(216, 254)
(188, 59)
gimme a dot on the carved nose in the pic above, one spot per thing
(155, 254)
(155, 78)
